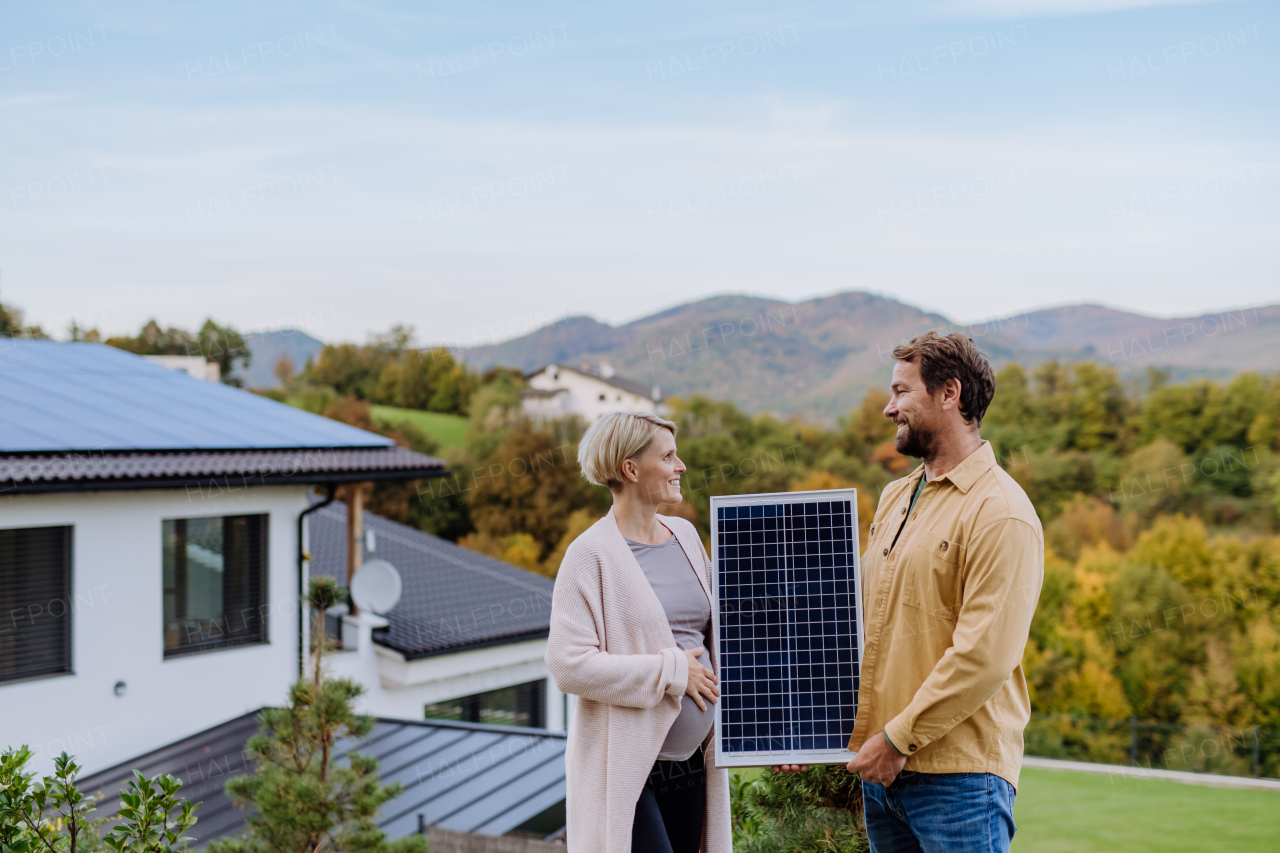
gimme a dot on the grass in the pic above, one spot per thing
(1065, 812)
(449, 430)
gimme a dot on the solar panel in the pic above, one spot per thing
(789, 639)
(80, 396)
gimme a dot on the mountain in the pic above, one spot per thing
(818, 357)
(267, 348)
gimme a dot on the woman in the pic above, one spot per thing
(631, 631)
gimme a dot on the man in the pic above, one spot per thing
(950, 580)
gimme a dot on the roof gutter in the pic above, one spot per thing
(303, 557)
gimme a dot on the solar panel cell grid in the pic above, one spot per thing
(786, 588)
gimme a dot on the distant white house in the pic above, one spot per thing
(556, 391)
(195, 366)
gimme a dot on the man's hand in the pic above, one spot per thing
(702, 681)
(877, 761)
(789, 768)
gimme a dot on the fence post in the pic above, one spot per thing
(1256, 769)
(1133, 741)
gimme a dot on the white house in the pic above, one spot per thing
(195, 366)
(466, 641)
(155, 531)
(150, 530)
(556, 391)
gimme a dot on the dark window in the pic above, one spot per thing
(35, 602)
(215, 583)
(520, 705)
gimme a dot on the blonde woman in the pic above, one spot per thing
(631, 637)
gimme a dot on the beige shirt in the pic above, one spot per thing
(947, 609)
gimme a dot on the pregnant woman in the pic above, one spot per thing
(631, 628)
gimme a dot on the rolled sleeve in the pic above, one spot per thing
(1005, 563)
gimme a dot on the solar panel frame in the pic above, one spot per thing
(787, 748)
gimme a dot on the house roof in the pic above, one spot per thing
(81, 417)
(77, 396)
(465, 776)
(453, 599)
(628, 385)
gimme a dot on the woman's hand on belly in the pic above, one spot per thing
(702, 681)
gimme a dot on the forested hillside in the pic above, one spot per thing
(818, 357)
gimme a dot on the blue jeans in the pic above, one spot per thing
(940, 813)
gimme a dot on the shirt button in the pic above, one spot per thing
(912, 748)
(886, 552)
(944, 546)
(904, 510)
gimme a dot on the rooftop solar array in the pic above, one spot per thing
(789, 635)
(78, 396)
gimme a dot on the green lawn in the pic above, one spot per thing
(1064, 812)
(449, 430)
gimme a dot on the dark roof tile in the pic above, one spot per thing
(452, 598)
(88, 471)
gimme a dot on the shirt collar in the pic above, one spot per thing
(964, 475)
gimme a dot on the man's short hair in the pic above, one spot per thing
(613, 439)
(953, 356)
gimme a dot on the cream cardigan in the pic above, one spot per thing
(610, 646)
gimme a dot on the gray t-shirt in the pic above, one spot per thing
(689, 615)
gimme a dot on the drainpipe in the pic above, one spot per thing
(303, 557)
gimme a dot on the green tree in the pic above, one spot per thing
(226, 346)
(306, 802)
(11, 325)
(531, 484)
(351, 370)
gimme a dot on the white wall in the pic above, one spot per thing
(584, 394)
(117, 629)
(398, 688)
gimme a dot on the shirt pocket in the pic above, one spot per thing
(934, 569)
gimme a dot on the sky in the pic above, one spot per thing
(478, 169)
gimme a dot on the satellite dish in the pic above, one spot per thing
(376, 587)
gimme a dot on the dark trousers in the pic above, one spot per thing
(669, 811)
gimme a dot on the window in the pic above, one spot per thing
(215, 583)
(519, 705)
(35, 602)
(601, 398)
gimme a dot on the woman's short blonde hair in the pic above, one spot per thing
(613, 439)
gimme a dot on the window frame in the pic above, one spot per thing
(264, 631)
(69, 586)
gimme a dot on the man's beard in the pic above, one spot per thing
(916, 441)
